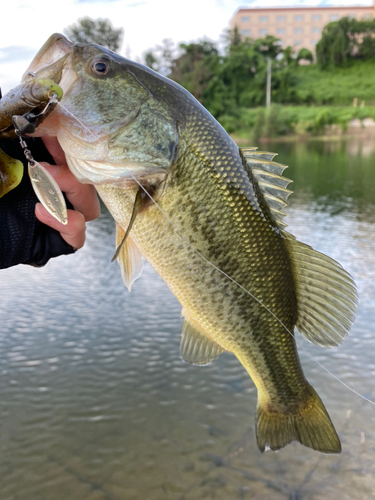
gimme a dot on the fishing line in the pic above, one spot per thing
(182, 236)
(77, 119)
(247, 291)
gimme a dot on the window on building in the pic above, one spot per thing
(297, 42)
(367, 16)
(314, 42)
(297, 30)
(245, 19)
(315, 29)
(298, 17)
(333, 17)
(281, 19)
(263, 32)
(263, 19)
(245, 32)
(351, 16)
(316, 17)
(280, 31)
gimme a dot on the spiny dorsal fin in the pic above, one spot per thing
(270, 180)
(326, 295)
(129, 258)
(195, 347)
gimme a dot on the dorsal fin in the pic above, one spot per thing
(326, 295)
(254, 153)
(129, 258)
(195, 347)
(268, 174)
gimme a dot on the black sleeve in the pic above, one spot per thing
(23, 238)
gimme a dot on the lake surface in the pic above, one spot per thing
(96, 404)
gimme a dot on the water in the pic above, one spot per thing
(96, 404)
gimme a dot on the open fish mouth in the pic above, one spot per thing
(50, 58)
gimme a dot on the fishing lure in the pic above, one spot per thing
(21, 113)
(31, 97)
(46, 188)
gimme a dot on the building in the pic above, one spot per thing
(295, 26)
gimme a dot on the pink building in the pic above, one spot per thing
(295, 26)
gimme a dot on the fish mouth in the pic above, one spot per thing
(50, 60)
(87, 140)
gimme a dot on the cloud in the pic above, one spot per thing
(304, 3)
(95, 1)
(14, 53)
(135, 4)
(130, 5)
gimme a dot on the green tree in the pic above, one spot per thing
(195, 66)
(288, 56)
(269, 46)
(99, 31)
(151, 60)
(165, 56)
(366, 49)
(334, 47)
(161, 57)
(226, 83)
(344, 40)
(306, 55)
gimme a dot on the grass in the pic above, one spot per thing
(321, 98)
(336, 86)
(293, 120)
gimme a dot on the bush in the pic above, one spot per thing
(300, 120)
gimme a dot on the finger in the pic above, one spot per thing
(83, 197)
(73, 232)
(55, 150)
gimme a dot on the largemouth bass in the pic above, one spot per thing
(208, 217)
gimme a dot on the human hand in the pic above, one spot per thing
(83, 197)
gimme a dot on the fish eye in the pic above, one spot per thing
(100, 66)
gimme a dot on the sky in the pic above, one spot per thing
(27, 24)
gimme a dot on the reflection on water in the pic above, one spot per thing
(335, 177)
(96, 404)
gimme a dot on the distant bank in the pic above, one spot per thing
(286, 122)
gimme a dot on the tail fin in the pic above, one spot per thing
(311, 426)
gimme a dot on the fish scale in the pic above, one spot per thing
(211, 225)
(251, 265)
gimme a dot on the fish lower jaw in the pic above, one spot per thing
(100, 172)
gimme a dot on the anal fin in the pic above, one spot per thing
(195, 347)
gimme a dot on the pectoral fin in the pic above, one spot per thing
(129, 257)
(195, 347)
(140, 201)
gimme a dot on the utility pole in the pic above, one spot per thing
(268, 98)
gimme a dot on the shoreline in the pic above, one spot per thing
(356, 130)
